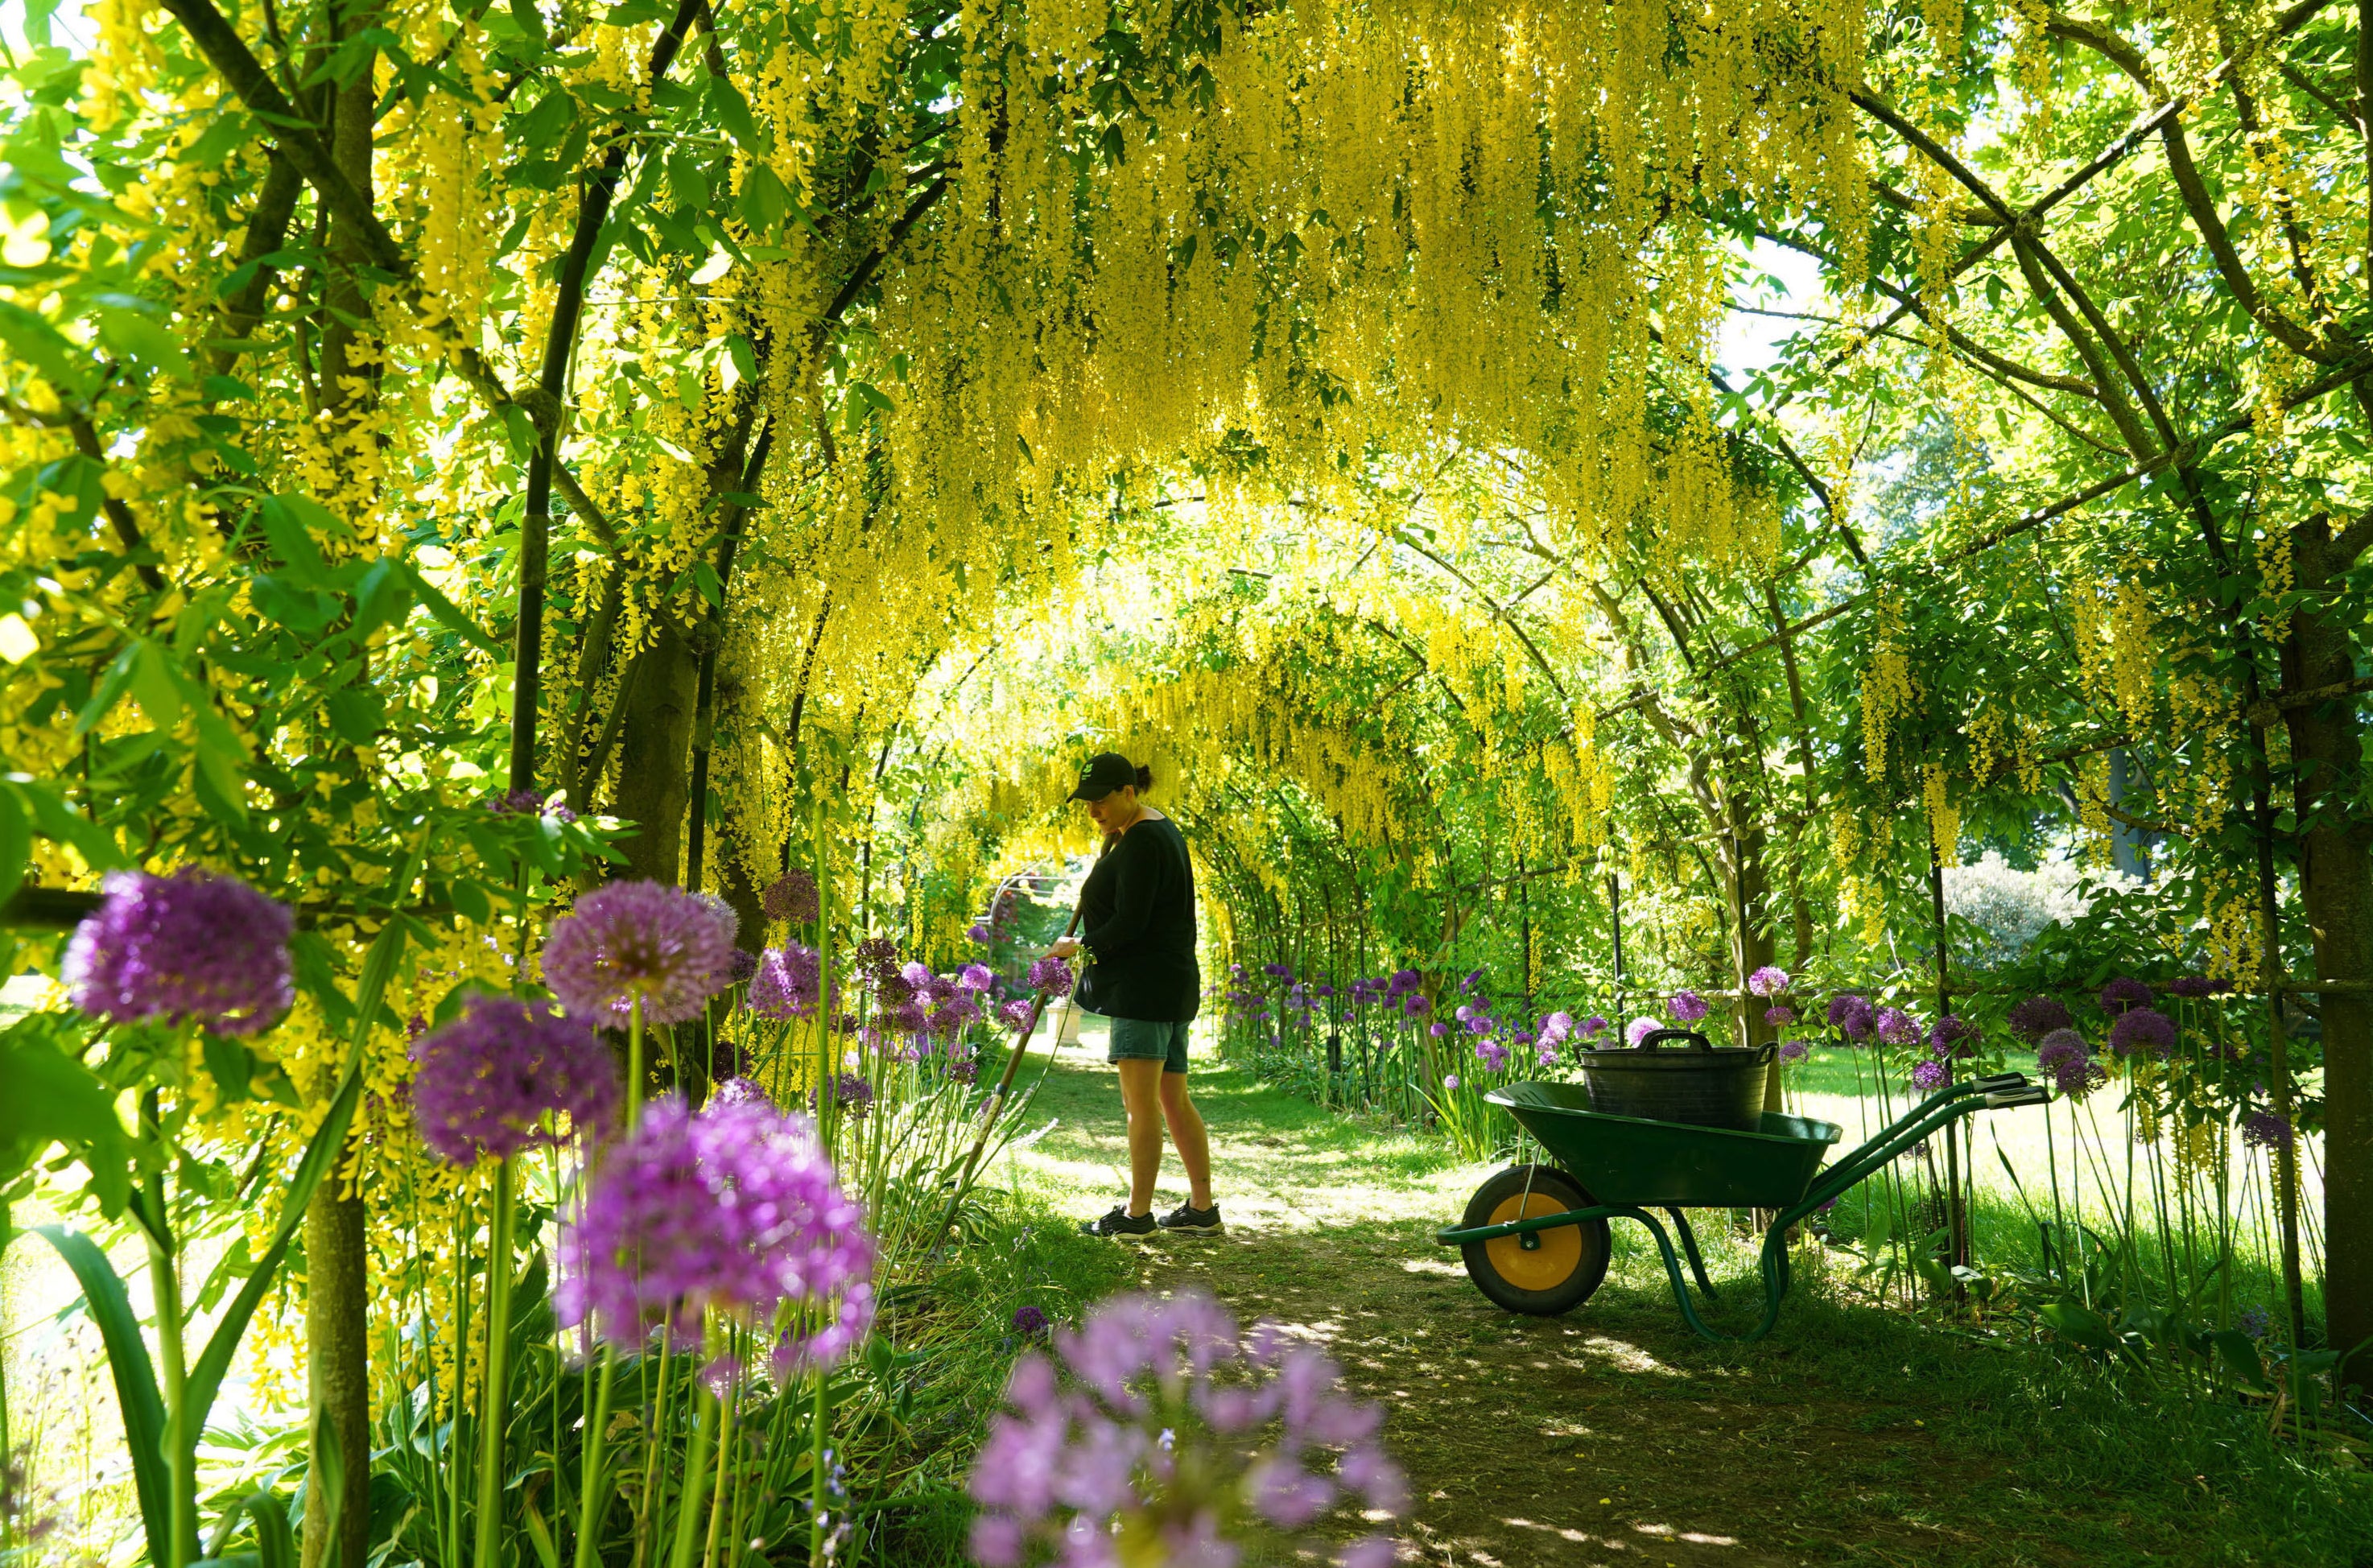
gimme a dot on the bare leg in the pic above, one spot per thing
(1139, 1095)
(1187, 1131)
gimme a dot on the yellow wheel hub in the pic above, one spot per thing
(1541, 1268)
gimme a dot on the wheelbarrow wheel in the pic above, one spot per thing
(1566, 1263)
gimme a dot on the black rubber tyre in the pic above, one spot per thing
(1562, 1271)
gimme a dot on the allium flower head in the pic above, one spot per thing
(2265, 1130)
(1406, 979)
(2038, 1016)
(630, 939)
(1018, 1013)
(1896, 1026)
(1687, 1006)
(1450, 1081)
(2198, 986)
(1163, 1434)
(2142, 1029)
(975, 978)
(788, 983)
(791, 896)
(1928, 1076)
(192, 947)
(1029, 1320)
(1415, 1005)
(735, 1209)
(1780, 1017)
(527, 803)
(1641, 1028)
(1592, 1027)
(1792, 1052)
(1052, 976)
(2072, 1067)
(1555, 1027)
(1851, 1016)
(1277, 971)
(980, 934)
(1769, 980)
(2124, 992)
(1491, 1054)
(483, 1084)
(1952, 1036)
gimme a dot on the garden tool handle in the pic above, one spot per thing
(2002, 1099)
(1999, 1083)
(1649, 1041)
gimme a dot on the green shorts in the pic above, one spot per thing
(1141, 1040)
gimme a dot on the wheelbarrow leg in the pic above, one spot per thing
(1689, 1250)
(1775, 1283)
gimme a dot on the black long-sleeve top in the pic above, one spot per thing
(1137, 920)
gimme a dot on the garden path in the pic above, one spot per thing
(1611, 1435)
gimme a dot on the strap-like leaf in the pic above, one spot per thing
(135, 1380)
(320, 1159)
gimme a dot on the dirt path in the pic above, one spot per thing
(1611, 1435)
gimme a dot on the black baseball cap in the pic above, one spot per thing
(1105, 772)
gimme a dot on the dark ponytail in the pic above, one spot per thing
(1144, 779)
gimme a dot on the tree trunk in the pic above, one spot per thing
(337, 1366)
(337, 1299)
(655, 754)
(2337, 884)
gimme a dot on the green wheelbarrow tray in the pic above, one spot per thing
(1661, 1164)
(1545, 1246)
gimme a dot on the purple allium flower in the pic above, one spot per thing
(742, 967)
(2073, 1069)
(1928, 1076)
(1952, 1036)
(1028, 1320)
(966, 1072)
(1851, 1016)
(1592, 1027)
(918, 975)
(2124, 992)
(1135, 1438)
(482, 1083)
(791, 896)
(192, 947)
(1473, 979)
(2142, 1029)
(1896, 1026)
(2265, 1130)
(672, 949)
(1277, 971)
(1780, 1017)
(2198, 986)
(1018, 1013)
(527, 803)
(2254, 1321)
(735, 1209)
(2038, 1016)
(854, 1094)
(1687, 1006)
(1769, 980)
(1406, 979)
(1450, 1081)
(1052, 976)
(980, 934)
(1546, 1056)
(1641, 1029)
(1437, 1030)
(1415, 1004)
(1792, 1052)
(1491, 1054)
(788, 981)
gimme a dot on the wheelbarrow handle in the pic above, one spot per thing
(2003, 1099)
(1995, 1083)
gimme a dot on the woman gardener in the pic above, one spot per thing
(1137, 923)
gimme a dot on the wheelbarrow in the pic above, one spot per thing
(1535, 1239)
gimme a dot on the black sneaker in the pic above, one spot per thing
(1187, 1220)
(1120, 1223)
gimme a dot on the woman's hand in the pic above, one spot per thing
(1067, 948)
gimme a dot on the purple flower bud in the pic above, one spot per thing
(791, 896)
